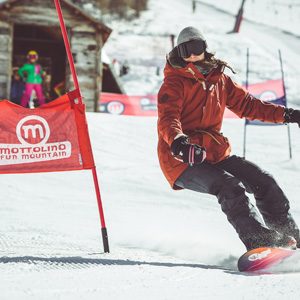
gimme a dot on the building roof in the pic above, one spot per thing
(106, 31)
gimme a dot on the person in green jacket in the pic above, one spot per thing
(32, 73)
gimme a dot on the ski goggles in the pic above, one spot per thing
(32, 56)
(195, 47)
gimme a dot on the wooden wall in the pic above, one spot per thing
(5, 59)
(85, 38)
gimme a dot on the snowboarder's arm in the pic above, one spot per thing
(247, 106)
(170, 100)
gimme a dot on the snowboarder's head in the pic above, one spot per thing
(32, 56)
(191, 44)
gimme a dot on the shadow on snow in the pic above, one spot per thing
(77, 260)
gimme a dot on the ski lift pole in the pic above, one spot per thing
(77, 87)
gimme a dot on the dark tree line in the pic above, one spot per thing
(120, 7)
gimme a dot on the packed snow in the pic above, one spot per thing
(164, 244)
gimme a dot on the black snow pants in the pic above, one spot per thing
(228, 180)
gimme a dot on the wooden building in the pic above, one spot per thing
(33, 25)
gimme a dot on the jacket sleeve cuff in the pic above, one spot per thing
(280, 114)
(174, 136)
(178, 136)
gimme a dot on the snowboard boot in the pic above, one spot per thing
(274, 239)
(285, 225)
(284, 241)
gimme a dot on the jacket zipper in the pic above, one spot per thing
(204, 84)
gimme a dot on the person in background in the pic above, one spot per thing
(17, 87)
(60, 88)
(194, 154)
(125, 68)
(116, 66)
(32, 73)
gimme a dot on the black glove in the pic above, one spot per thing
(186, 152)
(292, 116)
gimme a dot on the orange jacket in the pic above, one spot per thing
(190, 104)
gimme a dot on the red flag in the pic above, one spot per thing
(53, 137)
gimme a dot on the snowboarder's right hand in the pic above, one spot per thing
(292, 116)
(186, 152)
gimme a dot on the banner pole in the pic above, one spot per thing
(282, 73)
(247, 85)
(101, 212)
(284, 93)
(77, 87)
(68, 47)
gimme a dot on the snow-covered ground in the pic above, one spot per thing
(282, 14)
(164, 244)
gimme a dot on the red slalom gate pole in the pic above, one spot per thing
(101, 212)
(239, 18)
(76, 83)
(67, 47)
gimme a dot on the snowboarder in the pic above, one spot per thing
(34, 79)
(194, 155)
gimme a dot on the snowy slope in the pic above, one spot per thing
(281, 14)
(164, 244)
(144, 42)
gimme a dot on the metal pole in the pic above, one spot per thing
(244, 148)
(194, 5)
(172, 38)
(284, 94)
(247, 69)
(247, 84)
(289, 138)
(282, 74)
(76, 83)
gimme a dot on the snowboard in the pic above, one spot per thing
(270, 260)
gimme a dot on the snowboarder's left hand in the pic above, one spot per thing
(186, 152)
(292, 116)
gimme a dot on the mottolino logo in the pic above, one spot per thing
(33, 133)
(33, 130)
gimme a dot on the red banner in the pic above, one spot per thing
(121, 104)
(267, 90)
(51, 138)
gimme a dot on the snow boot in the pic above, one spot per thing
(286, 225)
(274, 239)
